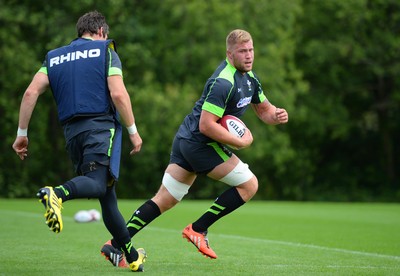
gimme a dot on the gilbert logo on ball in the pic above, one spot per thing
(233, 124)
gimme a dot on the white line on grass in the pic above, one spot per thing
(369, 254)
(294, 244)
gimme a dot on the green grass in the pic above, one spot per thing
(261, 238)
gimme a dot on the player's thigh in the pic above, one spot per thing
(224, 168)
(235, 173)
(180, 174)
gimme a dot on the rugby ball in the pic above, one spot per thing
(233, 124)
(87, 215)
(96, 216)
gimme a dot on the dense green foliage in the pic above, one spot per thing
(334, 65)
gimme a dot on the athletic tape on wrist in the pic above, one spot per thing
(132, 129)
(22, 132)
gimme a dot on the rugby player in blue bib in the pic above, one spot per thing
(85, 77)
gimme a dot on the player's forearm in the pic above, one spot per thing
(266, 112)
(270, 117)
(123, 105)
(28, 104)
(121, 100)
(124, 108)
(37, 86)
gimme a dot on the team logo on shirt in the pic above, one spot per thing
(243, 102)
(249, 84)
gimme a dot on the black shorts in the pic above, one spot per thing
(93, 144)
(198, 157)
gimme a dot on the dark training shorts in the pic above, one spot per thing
(92, 144)
(198, 157)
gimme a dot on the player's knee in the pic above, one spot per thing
(239, 175)
(252, 186)
(248, 189)
(102, 189)
(99, 175)
(177, 189)
(164, 199)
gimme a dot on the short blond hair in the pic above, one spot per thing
(237, 36)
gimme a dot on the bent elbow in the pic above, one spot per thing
(204, 129)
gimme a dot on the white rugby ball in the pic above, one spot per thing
(233, 124)
(96, 216)
(87, 215)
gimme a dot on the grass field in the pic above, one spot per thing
(261, 238)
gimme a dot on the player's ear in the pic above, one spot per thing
(228, 54)
(101, 32)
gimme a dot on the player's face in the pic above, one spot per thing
(242, 56)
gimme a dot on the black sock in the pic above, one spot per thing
(65, 191)
(142, 217)
(130, 252)
(115, 224)
(227, 202)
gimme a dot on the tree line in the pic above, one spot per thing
(333, 64)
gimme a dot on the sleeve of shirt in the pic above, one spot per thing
(218, 93)
(43, 69)
(114, 63)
